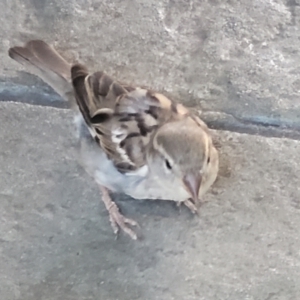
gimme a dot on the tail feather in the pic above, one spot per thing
(43, 60)
(50, 58)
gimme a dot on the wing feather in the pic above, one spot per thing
(122, 118)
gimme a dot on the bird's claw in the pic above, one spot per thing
(118, 221)
(190, 205)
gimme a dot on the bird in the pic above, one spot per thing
(133, 140)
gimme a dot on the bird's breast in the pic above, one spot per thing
(153, 187)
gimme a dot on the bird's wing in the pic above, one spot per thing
(122, 119)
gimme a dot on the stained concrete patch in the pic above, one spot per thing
(56, 241)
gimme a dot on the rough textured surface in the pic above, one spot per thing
(238, 61)
(56, 241)
(238, 57)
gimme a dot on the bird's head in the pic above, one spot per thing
(181, 152)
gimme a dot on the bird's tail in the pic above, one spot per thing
(43, 60)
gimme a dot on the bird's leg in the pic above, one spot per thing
(117, 220)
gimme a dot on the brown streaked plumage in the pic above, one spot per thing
(133, 140)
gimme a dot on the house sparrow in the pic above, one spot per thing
(132, 140)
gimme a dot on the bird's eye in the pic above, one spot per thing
(208, 160)
(168, 165)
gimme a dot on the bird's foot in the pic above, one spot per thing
(117, 220)
(190, 205)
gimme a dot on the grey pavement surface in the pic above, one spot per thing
(56, 241)
(236, 61)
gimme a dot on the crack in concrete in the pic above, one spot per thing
(259, 125)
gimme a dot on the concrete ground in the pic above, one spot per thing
(56, 241)
(236, 61)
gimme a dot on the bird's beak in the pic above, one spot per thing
(192, 183)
